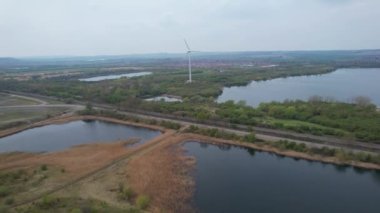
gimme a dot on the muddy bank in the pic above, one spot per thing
(78, 163)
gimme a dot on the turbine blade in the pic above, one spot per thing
(187, 45)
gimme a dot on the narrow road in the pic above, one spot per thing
(268, 137)
(41, 103)
(73, 106)
(262, 133)
(157, 141)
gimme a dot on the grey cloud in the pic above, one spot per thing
(90, 27)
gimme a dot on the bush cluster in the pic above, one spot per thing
(216, 133)
(328, 152)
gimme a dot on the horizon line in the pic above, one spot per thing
(184, 52)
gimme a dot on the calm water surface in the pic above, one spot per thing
(342, 85)
(111, 77)
(234, 179)
(62, 136)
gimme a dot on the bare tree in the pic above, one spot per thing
(315, 99)
(362, 101)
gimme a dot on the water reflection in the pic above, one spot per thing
(89, 121)
(230, 180)
(251, 152)
(111, 77)
(341, 168)
(360, 170)
(224, 147)
(62, 136)
(376, 176)
(337, 85)
(203, 145)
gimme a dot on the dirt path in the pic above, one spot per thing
(267, 134)
(71, 106)
(37, 100)
(41, 102)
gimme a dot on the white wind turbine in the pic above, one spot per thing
(189, 51)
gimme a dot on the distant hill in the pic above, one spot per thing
(336, 57)
(8, 61)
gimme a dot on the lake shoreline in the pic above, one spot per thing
(67, 119)
(178, 164)
(114, 77)
(286, 153)
(335, 85)
(156, 167)
(191, 136)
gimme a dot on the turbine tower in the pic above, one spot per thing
(189, 51)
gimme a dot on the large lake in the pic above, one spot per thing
(342, 85)
(111, 77)
(62, 136)
(235, 179)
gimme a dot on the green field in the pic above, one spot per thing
(295, 125)
(10, 117)
(8, 100)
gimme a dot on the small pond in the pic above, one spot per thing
(164, 99)
(112, 77)
(342, 85)
(57, 137)
(236, 179)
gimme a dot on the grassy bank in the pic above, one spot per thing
(340, 154)
(318, 117)
(70, 205)
(250, 138)
(123, 117)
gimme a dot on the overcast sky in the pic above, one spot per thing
(111, 27)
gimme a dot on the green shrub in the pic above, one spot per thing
(324, 151)
(251, 138)
(18, 174)
(121, 187)
(341, 155)
(376, 159)
(127, 194)
(4, 191)
(170, 125)
(4, 209)
(76, 210)
(278, 125)
(44, 167)
(9, 201)
(142, 201)
(47, 202)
